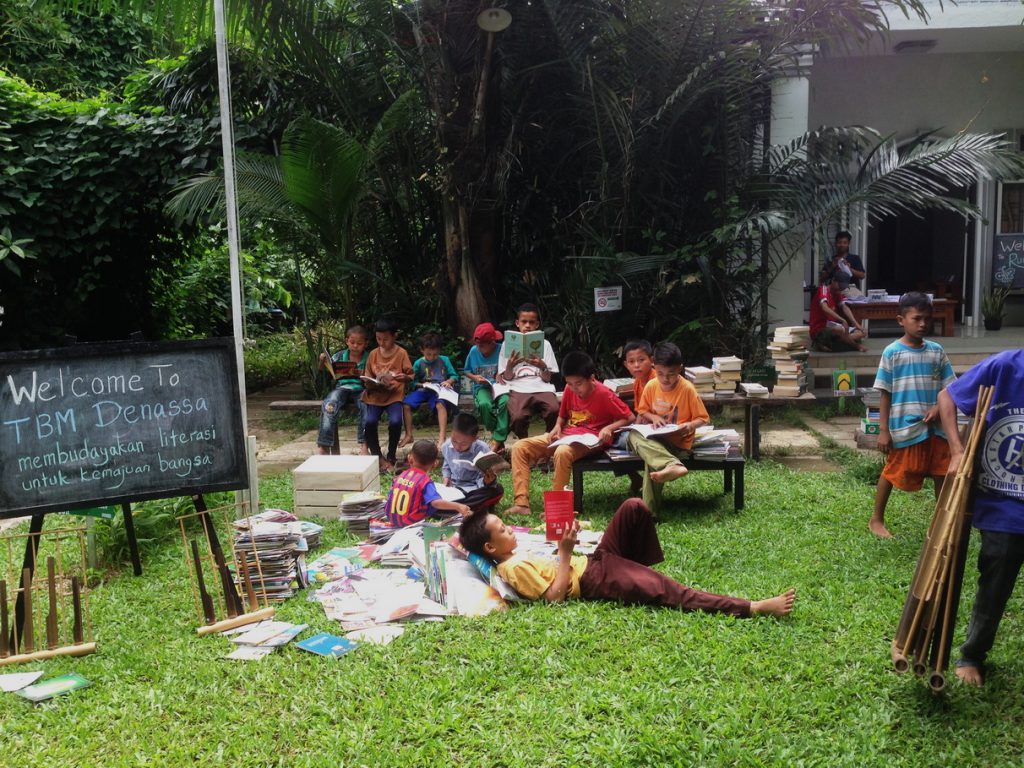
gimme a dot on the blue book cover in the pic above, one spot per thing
(326, 644)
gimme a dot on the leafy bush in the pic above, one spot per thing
(154, 524)
(273, 359)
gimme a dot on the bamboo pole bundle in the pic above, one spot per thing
(925, 630)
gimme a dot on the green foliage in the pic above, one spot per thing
(993, 302)
(273, 358)
(83, 181)
(154, 526)
(72, 53)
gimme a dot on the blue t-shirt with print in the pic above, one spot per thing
(482, 366)
(999, 501)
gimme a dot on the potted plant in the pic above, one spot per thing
(993, 307)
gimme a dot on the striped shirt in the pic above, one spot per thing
(913, 376)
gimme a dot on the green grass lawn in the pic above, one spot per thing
(577, 684)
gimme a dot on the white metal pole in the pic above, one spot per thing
(227, 137)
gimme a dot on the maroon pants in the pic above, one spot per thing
(522, 405)
(618, 570)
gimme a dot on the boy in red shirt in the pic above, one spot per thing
(413, 496)
(588, 408)
(830, 330)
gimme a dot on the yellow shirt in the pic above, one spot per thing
(679, 405)
(531, 575)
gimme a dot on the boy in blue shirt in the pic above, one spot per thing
(998, 502)
(910, 375)
(347, 389)
(481, 487)
(490, 397)
(432, 368)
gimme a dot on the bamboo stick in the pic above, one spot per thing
(28, 635)
(4, 649)
(51, 615)
(76, 607)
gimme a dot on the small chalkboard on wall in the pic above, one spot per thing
(1008, 261)
(97, 424)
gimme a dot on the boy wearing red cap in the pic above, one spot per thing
(482, 369)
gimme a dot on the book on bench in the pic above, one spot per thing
(649, 430)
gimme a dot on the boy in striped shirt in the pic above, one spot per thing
(911, 373)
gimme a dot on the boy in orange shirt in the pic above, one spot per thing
(391, 367)
(668, 399)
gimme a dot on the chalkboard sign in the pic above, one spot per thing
(98, 424)
(1008, 261)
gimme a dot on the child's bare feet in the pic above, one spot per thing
(406, 440)
(671, 472)
(780, 605)
(323, 450)
(386, 466)
(518, 509)
(970, 675)
(363, 450)
(878, 528)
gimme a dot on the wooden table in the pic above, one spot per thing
(942, 310)
(752, 416)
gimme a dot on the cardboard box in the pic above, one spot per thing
(320, 483)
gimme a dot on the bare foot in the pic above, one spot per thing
(878, 528)
(386, 466)
(518, 509)
(406, 440)
(323, 450)
(780, 605)
(970, 676)
(861, 348)
(671, 472)
(363, 450)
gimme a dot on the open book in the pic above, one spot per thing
(588, 439)
(649, 430)
(447, 394)
(449, 492)
(339, 369)
(526, 344)
(385, 380)
(497, 390)
(483, 461)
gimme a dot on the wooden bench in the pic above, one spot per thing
(601, 463)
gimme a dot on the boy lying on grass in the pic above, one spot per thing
(618, 570)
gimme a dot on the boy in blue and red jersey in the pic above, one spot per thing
(413, 496)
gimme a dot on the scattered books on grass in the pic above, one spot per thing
(55, 686)
(18, 680)
(326, 644)
(250, 653)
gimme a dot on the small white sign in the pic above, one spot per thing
(608, 299)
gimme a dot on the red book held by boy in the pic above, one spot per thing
(558, 513)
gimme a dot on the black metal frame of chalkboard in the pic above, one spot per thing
(238, 480)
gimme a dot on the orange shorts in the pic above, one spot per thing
(906, 468)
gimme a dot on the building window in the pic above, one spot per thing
(1011, 212)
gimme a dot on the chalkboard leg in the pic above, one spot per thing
(133, 543)
(31, 549)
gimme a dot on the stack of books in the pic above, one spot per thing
(281, 569)
(702, 378)
(727, 372)
(711, 443)
(753, 389)
(357, 509)
(872, 399)
(789, 349)
(620, 386)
